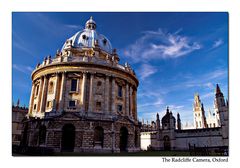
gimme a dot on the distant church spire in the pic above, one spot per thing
(199, 113)
(18, 103)
(178, 122)
(218, 92)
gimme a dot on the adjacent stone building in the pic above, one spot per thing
(169, 135)
(83, 100)
(18, 115)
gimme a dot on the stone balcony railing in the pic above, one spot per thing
(87, 59)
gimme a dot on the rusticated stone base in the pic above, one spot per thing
(84, 137)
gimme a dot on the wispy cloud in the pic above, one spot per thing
(22, 68)
(21, 44)
(207, 95)
(53, 27)
(175, 107)
(160, 45)
(207, 79)
(217, 43)
(146, 70)
(157, 103)
(72, 26)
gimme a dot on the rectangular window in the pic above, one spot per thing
(74, 85)
(37, 89)
(119, 108)
(119, 91)
(35, 106)
(72, 103)
(49, 104)
(98, 106)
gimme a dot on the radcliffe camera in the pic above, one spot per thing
(120, 84)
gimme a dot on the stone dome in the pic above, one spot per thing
(89, 38)
(166, 118)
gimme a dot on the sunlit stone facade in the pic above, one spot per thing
(83, 99)
(168, 134)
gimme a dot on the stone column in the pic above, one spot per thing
(56, 92)
(127, 100)
(31, 98)
(40, 95)
(113, 95)
(106, 98)
(90, 103)
(113, 138)
(135, 104)
(131, 103)
(44, 94)
(62, 92)
(83, 91)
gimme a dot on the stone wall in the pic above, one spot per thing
(84, 134)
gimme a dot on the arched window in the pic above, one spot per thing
(50, 87)
(42, 134)
(98, 137)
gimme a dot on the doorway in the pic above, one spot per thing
(166, 143)
(68, 138)
(123, 139)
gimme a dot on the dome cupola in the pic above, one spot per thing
(89, 38)
(91, 24)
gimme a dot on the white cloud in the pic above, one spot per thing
(175, 107)
(217, 43)
(157, 103)
(160, 45)
(22, 68)
(72, 26)
(146, 70)
(207, 95)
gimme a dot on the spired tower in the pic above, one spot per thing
(220, 106)
(199, 113)
(179, 124)
(221, 110)
(86, 95)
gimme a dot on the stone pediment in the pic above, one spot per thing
(124, 119)
(69, 116)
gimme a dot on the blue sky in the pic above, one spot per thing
(174, 55)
